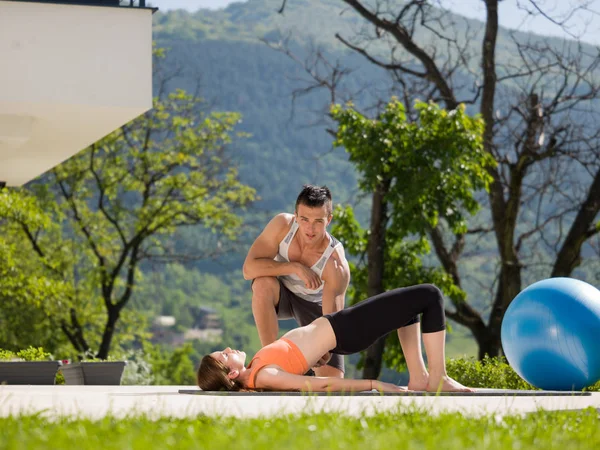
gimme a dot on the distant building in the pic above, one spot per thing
(210, 334)
(165, 321)
(206, 326)
(163, 332)
(205, 318)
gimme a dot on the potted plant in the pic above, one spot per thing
(93, 371)
(28, 366)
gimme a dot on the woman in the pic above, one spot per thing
(280, 365)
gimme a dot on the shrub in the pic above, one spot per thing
(7, 355)
(487, 373)
(28, 354)
(171, 366)
(159, 365)
(491, 373)
(138, 370)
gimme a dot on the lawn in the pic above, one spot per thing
(402, 429)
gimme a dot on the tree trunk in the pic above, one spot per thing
(109, 331)
(114, 309)
(74, 333)
(376, 260)
(489, 345)
(569, 256)
(509, 287)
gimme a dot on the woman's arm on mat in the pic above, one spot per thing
(275, 379)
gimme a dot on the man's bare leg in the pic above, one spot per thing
(439, 381)
(265, 297)
(410, 340)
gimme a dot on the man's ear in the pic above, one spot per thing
(233, 374)
(329, 219)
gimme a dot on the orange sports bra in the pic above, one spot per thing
(283, 353)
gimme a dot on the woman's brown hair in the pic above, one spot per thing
(212, 376)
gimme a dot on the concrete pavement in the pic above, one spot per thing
(159, 401)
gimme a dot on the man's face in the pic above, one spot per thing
(312, 222)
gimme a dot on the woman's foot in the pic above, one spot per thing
(446, 384)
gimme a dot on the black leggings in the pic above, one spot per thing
(359, 326)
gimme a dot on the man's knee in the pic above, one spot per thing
(265, 290)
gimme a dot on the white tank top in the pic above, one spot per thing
(293, 282)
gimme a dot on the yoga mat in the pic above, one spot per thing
(478, 393)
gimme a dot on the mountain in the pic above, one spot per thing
(223, 52)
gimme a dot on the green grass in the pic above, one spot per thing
(402, 429)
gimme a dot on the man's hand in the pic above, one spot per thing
(324, 360)
(310, 278)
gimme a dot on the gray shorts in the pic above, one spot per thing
(303, 312)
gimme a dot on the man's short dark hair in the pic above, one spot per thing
(315, 197)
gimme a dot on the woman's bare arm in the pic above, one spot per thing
(275, 379)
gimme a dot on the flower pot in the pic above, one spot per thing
(28, 372)
(94, 373)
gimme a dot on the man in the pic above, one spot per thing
(299, 271)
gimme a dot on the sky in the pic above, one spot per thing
(585, 24)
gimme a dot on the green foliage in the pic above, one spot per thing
(32, 290)
(34, 354)
(434, 164)
(6, 355)
(28, 354)
(593, 388)
(138, 371)
(491, 373)
(158, 365)
(22, 278)
(90, 356)
(487, 373)
(170, 366)
(22, 209)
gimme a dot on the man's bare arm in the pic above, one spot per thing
(259, 261)
(336, 277)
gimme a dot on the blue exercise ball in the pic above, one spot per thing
(551, 334)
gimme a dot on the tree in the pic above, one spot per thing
(538, 102)
(422, 172)
(30, 295)
(116, 204)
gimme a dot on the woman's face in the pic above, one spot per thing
(232, 359)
